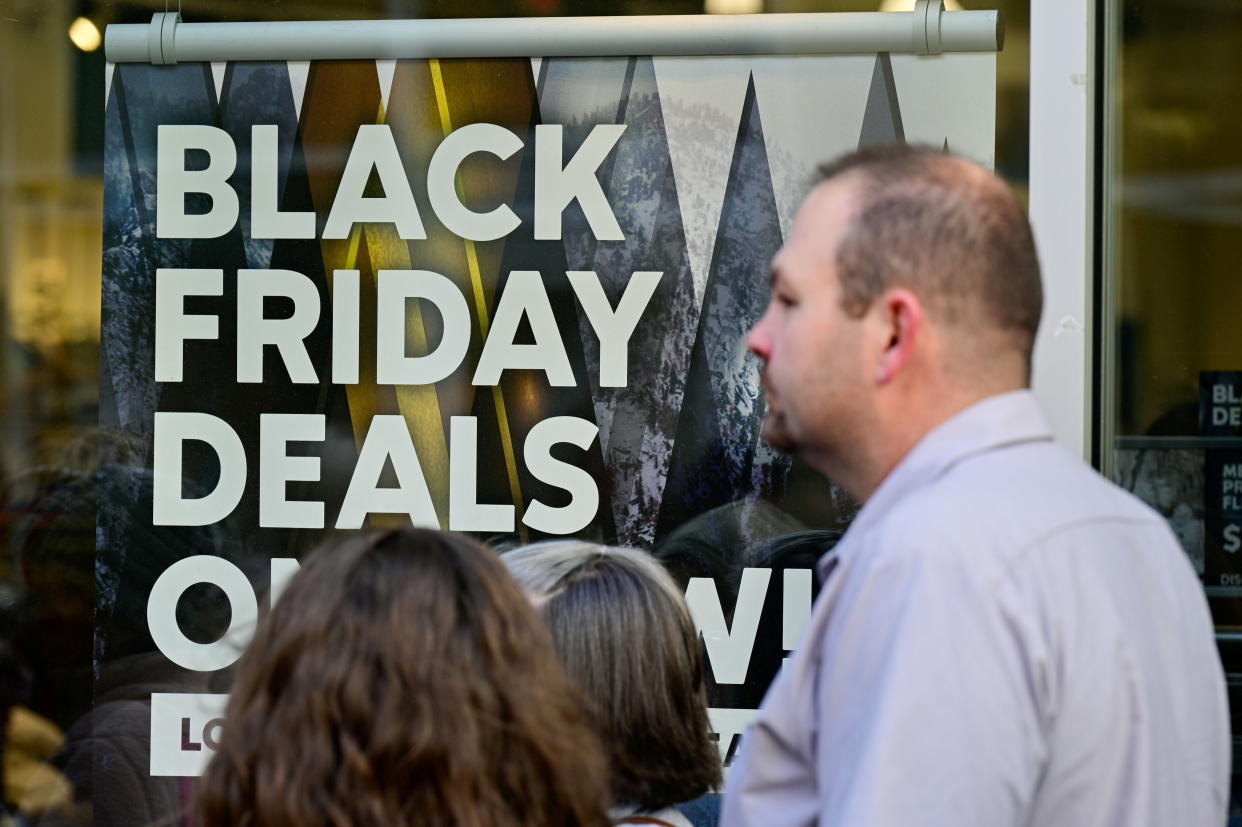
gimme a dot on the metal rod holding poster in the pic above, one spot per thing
(507, 296)
(926, 30)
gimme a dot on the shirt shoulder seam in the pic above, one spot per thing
(1027, 548)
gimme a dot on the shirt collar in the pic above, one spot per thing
(1005, 419)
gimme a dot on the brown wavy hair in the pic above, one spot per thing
(403, 679)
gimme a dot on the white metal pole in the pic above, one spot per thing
(927, 30)
(1062, 209)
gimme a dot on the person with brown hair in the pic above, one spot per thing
(1002, 637)
(626, 638)
(403, 680)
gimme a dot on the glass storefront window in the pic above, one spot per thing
(1170, 290)
(1170, 360)
(52, 677)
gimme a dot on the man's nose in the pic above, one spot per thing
(758, 340)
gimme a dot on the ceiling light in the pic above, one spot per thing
(85, 34)
(733, 6)
(908, 5)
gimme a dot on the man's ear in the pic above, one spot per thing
(901, 323)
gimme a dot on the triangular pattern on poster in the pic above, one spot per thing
(344, 96)
(748, 239)
(813, 108)
(581, 91)
(579, 94)
(140, 96)
(215, 390)
(536, 64)
(258, 92)
(640, 420)
(522, 400)
(299, 70)
(144, 95)
(415, 110)
(125, 332)
(882, 122)
(714, 459)
(949, 99)
(218, 68)
(109, 69)
(702, 99)
(385, 70)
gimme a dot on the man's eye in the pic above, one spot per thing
(784, 301)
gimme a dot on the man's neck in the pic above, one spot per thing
(899, 431)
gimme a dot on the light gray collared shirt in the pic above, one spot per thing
(1002, 638)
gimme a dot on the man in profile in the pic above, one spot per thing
(1002, 636)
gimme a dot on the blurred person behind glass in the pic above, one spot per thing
(626, 637)
(87, 561)
(402, 679)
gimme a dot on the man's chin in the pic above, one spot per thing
(777, 435)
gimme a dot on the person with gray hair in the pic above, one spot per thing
(626, 638)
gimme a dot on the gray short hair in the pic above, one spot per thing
(626, 637)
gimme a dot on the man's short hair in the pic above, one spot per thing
(946, 229)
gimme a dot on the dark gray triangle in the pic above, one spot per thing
(641, 419)
(579, 94)
(142, 96)
(714, 460)
(882, 120)
(258, 93)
